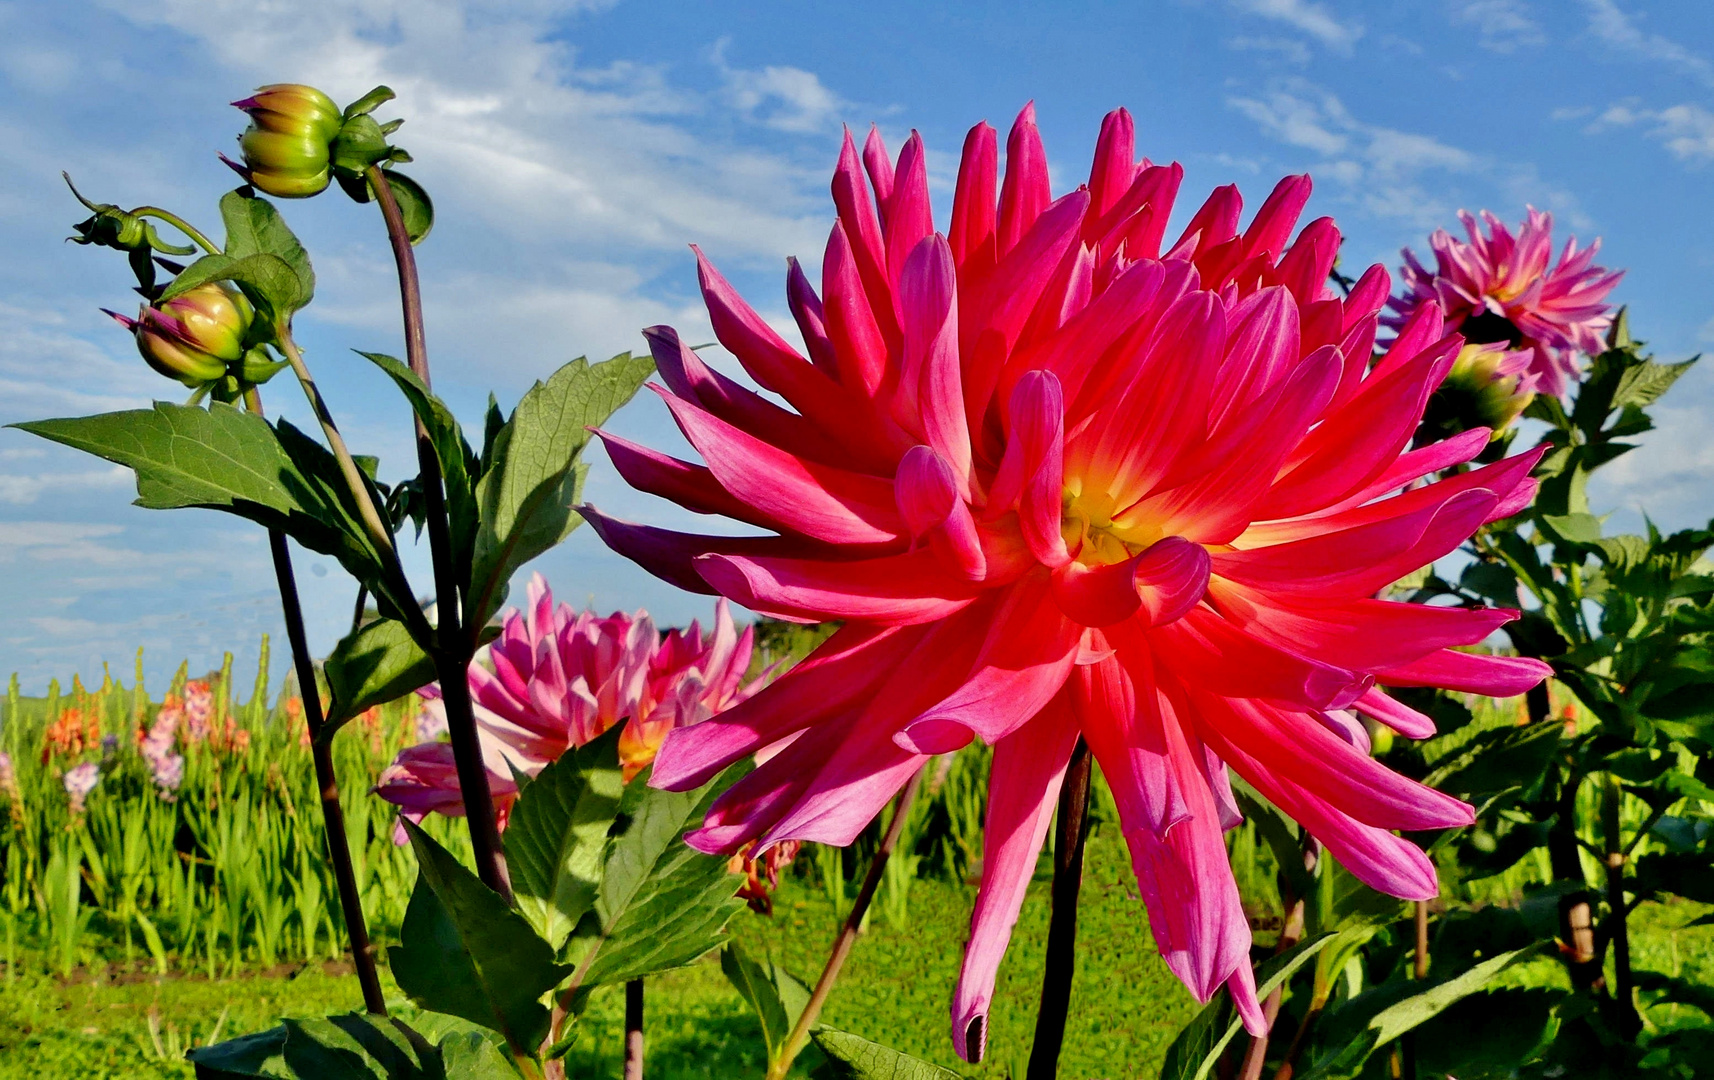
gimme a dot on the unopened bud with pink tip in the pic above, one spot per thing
(288, 147)
(195, 336)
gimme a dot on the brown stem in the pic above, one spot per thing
(1576, 913)
(1291, 932)
(1419, 970)
(1061, 962)
(327, 783)
(452, 650)
(634, 1030)
(848, 933)
(1624, 995)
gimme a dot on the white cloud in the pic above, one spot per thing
(1290, 50)
(1502, 26)
(1314, 19)
(1686, 130)
(783, 98)
(1611, 24)
(19, 489)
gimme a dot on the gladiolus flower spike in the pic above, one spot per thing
(1058, 476)
(1507, 289)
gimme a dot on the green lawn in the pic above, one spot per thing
(1126, 1005)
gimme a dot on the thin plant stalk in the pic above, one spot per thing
(634, 1030)
(327, 783)
(1061, 964)
(1291, 932)
(1419, 971)
(799, 1036)
(1624, 993)
(454, 647)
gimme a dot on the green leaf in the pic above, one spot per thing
(1281, 836)
(1487, 1036)
(776, 995)
(377, 664)
(469, 1056)
(450, 450)
(1498, 759)
(1578, 528)
(662, 904)
(856, 1058)
(255, 227)
(222, 459)
(556, 839)
(358, 1046)
(1689, 874)
(268, 280)
(527, 492)
(260, 1054)
(1198, 1046)
(1352, 1030)
(415, 206)
(463, 951)
(1641, 385)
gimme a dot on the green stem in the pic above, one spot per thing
(848, 933)
(180, 224)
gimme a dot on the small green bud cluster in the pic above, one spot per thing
(299, 141)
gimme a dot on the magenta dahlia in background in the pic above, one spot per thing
(1505, 288)
(1060, 476)
(555, 679)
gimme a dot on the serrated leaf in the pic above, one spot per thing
(450, 450)
(556, 838)
(1578, 528)
(222, 459)
(259, 1054)
(856, 1058)
(1641, 385)
(1197, 1047)
(377, 664)
(463, 951)
(1498, 759)
(528, 490)
(358, 1046)
(1352, 1030)
(662, 904)
(469, 1056)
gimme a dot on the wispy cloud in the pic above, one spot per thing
(784, 98)
(1316, 20)
(1291, 50)
(1686, 130)
(1610, 23)
(1502, 26)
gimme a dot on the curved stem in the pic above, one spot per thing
(378, 532)
(848, 933)
(454, 647)
(1068, 838)
(327, 782)
(180, 224)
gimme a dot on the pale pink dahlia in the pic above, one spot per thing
(1501, 288)
(555, 679)
(1059, 477)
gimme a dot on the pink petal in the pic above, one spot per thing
(896, 589)
(1025, 193)
(1206, 651)
(1163, 583)
(1469, 673)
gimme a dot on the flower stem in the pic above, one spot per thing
(453, 647)
(634, 1030)
(1068, 839)
(180, 224)
(327, 783)
(848, 933)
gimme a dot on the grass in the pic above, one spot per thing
(1126, 1006)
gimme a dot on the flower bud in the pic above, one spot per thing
(1489, 386)
(193, 337)
(288, 146)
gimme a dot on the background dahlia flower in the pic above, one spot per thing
(1061, 476)
(555, 679)
(1501, 288)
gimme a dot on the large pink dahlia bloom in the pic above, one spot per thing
(1059, 477)
(555, 679)
(1505, 288)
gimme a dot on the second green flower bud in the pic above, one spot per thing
(193, 337)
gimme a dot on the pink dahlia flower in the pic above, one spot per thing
(1501, 288)
(1059, 476)
(555, 679)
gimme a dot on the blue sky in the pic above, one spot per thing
(574, 149)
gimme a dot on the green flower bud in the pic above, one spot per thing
(1489, 386)
(194, 337)
(288, 147)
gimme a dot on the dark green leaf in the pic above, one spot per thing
(255, 227)
(777, 996)
(529, 488)
(268, 280)
(1487, 1036)
(464, 952)
(662, 904)
(856, 1058)
(260, 1054)
(1352, 1030)
(556, 839)
(450, 450)
(1689, 874)
(377, 664)
(1641, 385)
(469, 1056)
(415, 206)
(1281, 836)
(358, 1046)
(1198, 1046)
(1498, 759)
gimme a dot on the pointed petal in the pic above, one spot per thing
(1162, 584)
(896, 589)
